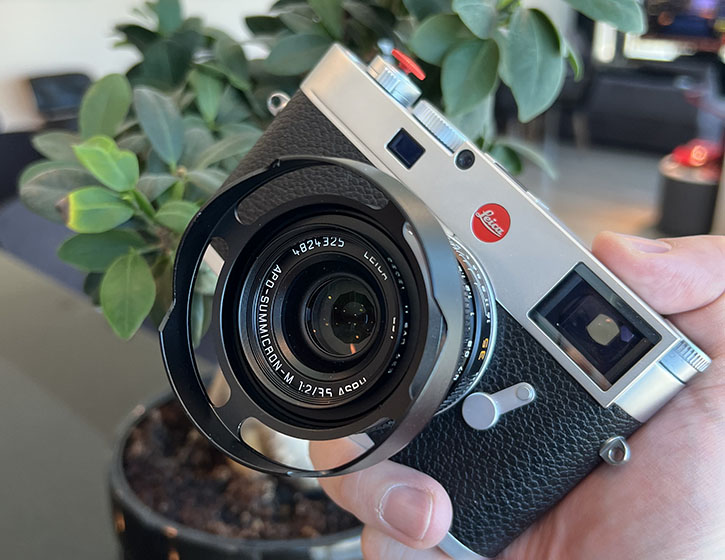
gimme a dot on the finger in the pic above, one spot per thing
(379, 546)
(705, 326)
(397, 500)
(683, 277)
(672, 275)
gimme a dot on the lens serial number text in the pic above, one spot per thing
(317, 242)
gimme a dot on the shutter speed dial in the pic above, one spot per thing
(439, 126)
(395, 81)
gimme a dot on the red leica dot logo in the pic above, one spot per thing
(491, 222)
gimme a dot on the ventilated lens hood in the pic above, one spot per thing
(417, 392)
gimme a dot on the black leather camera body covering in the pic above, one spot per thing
(502, 479)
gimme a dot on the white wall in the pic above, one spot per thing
(53, 36)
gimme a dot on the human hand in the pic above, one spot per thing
(668, 503)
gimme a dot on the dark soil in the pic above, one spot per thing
(176, 472)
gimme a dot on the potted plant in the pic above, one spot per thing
(154, 144)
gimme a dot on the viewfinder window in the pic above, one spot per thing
(594, 326)
(405, 148)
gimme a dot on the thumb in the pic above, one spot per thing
(672, 275)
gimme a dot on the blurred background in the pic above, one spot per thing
(632, 144)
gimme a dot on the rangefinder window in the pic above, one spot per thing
(594, 326)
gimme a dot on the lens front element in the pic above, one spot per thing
(341, 316)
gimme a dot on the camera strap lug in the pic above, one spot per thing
(481, 411)
(276, 102)
(615, 451)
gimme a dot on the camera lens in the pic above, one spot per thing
(327, 312)
(324, 311)
(341, 317)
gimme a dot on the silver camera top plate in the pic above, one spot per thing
(523, 248)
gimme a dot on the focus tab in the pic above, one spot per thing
(408, 65)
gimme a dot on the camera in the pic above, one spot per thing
(376, 273)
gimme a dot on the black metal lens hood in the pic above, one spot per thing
(417, 397)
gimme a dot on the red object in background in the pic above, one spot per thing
(408, 65)
(698, 153)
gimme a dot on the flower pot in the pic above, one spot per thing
(145, 534)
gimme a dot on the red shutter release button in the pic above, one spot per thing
(408, 65)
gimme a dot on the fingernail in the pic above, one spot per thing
(646, 245)
(408, 510)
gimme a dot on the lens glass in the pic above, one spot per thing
(341, 317)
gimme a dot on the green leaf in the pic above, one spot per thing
(117, 169)
(143, 203)
(575, 60)
(625, 15)
(153, 185)
(478, 15)
(154, 164)
(201, 307)
(170, 16)
(208, 94)
(437, 35)
(176, 214)
(479, 121)
(264, 25)
(231, 107)
(234, 129)
(330, 13)
(162, 123)
(421, 9)
(503, 70)
(534, 62)
(530, 153)
(94, 252)
(196, 140)
(35, 169)
(43, 188)
(162, 271)
(92, 287)
(105, 106)
(469, 74)
(190, 38)
(56, 145)
(94, 210)
(303, 24)
(508, 158)
(379, 20)
(208, 180)
(280, 4)
(206, 280)
(137, 143)
(230, 146)
(138, 36)
(127, 294)
(296, 54)
(165, 65)
(233, 62)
